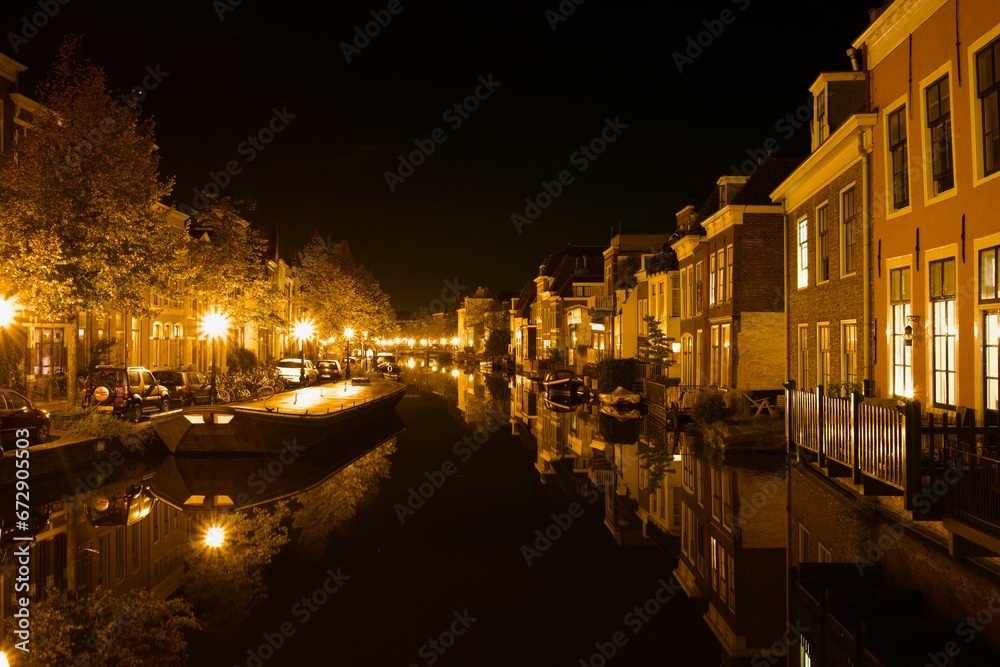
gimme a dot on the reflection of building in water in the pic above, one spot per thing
(733, 526)
(78, 552)
(660, 500)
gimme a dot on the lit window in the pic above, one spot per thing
(823, 247)
(944, 328)
(850, 350)
(902, 354)
(803, 254)
(823, 345)
(848, 217)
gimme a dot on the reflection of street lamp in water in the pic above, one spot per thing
(214, 325)
(303, 330)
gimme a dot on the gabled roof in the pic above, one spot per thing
(551, 262)
(525, 299)
(587, 268)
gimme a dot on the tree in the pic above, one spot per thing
(223, 264)
(82, 226)
(498, 339)
(657, 348)
(338, 292)
(108, 630)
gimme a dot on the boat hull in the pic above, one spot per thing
(259, 427)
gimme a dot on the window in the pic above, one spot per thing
(720, 354)
(732, 582)
(898, 159)
(723, 575)
(902, 354)
(711, 280)
(849, 343)
(822, 244)
(717, 494)
(823, 553)
(989, 271)
(825, 376)
(716, 370)
(726, 333)
(939, 125)
(803, 544)
(721, 271)
(699, 287)
(687, 359)
(688, 472)
(675, 295)
(945, 334)
(988, 90)
(803, 254)
(821, 117)
(848, 217)
(991, 363)
(803, 375)
(698, 355)
(729, 273)
(716, 558)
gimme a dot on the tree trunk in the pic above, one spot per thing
(71, 358)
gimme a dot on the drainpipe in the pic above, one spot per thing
(867, 273)
(788, 331)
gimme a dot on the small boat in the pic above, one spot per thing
(303, 417)
(621, 398)
(565, 382)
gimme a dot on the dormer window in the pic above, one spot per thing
(836, 97)
(822, 131)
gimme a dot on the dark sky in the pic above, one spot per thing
(451, 218)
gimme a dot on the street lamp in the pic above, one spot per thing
(303, 329)
(215, 536)
(214, 325)
(349, 337)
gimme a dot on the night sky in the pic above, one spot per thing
(550, 92)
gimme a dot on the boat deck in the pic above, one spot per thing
(319, 400)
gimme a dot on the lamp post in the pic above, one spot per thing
(349, 337)
(214, 325)
(303, 330)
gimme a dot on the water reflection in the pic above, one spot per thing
(126, 534)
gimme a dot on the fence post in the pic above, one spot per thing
(789, 411)
(912, 452)
(820, 423)
(856, 434)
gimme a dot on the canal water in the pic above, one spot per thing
(444, 536)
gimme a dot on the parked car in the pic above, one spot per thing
(291, 371)
(185, 387)
(127, 392)
(328, 370)
(18, 415)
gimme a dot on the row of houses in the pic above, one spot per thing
(870, 264)
(168, 339)
(863, 278)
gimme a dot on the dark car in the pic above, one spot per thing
(20, 419)
(329, 370)
(185, 387)
(128, 392)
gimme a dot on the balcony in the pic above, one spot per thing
(601, 305)
(942, 469)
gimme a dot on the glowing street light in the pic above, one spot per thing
(302, 331)
(349, 337)
(8, 306)
(215, 537)
(455, 341)
(214, 325)
(3, 660)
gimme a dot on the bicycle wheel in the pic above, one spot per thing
(265, 392)
(224, 396)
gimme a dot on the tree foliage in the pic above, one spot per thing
(108, 630)
(226, 584)
(656, 349)
(83, 228)
(339, 292)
